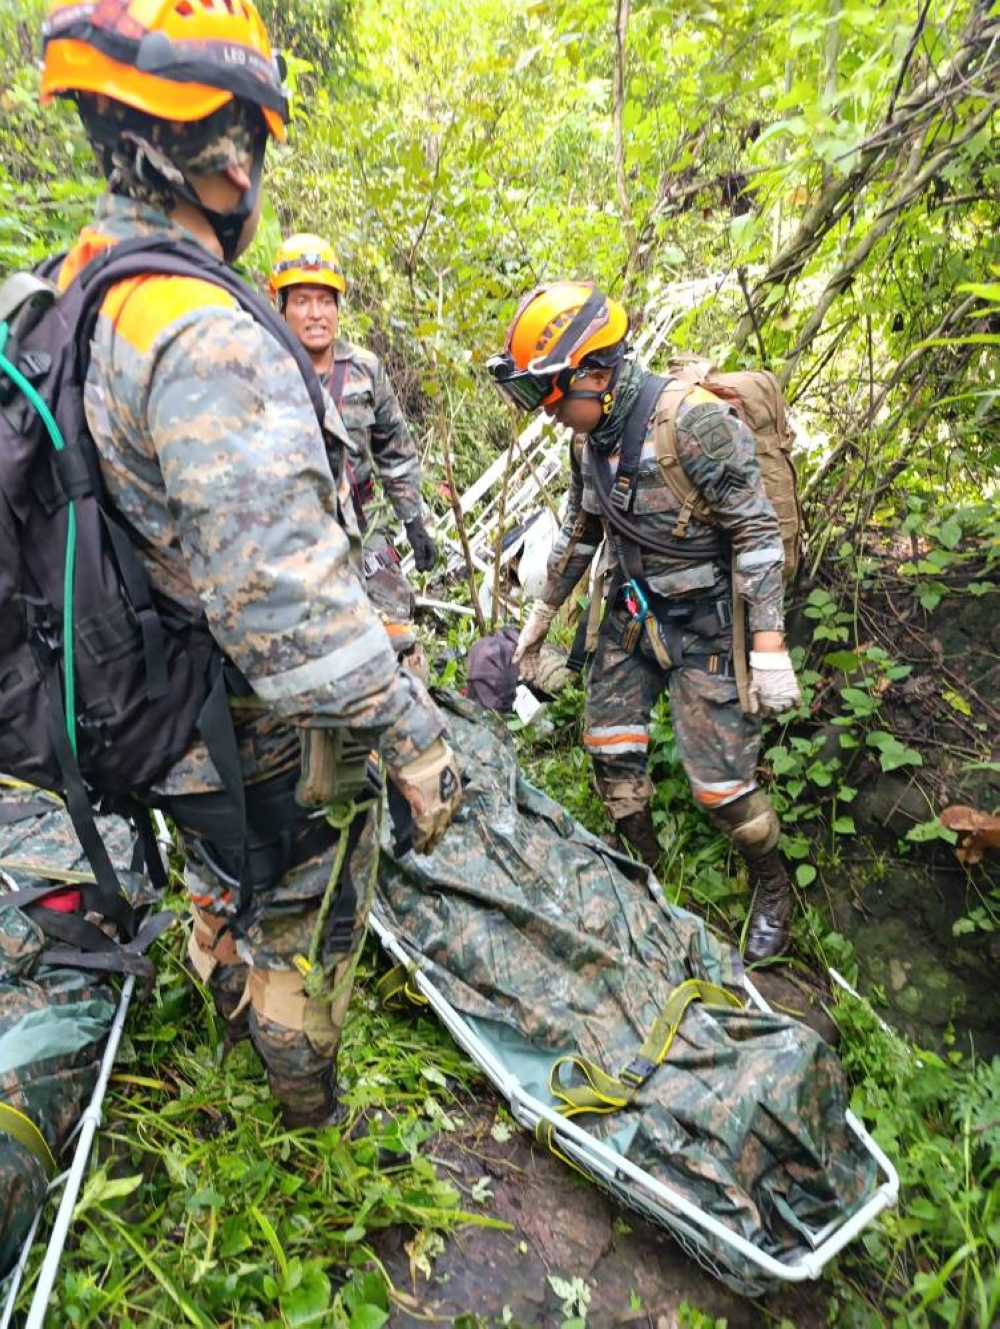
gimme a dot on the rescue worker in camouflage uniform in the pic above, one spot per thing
(566, 353)
(308, 281)
(211, 450)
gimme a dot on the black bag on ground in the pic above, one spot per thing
(491, 672)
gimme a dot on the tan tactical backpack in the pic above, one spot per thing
(756, 397)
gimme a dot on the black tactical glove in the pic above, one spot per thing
(424, 548)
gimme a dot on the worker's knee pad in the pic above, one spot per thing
(750, 822)
(209, 946)
(284, 1015)
(623, 796)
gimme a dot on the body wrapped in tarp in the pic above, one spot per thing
(551, 944)
(54, 1021)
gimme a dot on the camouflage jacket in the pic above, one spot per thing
(210, 448)
(379, 434)
(717, 452)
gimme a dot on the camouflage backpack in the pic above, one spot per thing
(756, 397)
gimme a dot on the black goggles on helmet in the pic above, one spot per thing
(527, 390)
(521, 387)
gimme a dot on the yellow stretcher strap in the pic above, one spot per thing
(604, 1093)
(396, 988)
(24, 1131)
(9, 782)
(40, 868)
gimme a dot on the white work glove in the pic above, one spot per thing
(433, 788)
(534, 632)
(773, 685)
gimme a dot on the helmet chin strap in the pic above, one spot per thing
(606, 396)
(228, 226)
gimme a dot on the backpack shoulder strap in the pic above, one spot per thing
(143, 257)
(668, 458)
(337, 380)
(633, 436)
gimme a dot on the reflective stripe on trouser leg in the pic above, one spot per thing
(297, 1035)
(621, 690)
(717, 744)
(616, 740)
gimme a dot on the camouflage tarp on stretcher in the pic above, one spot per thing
(545, 943)
(54, 1021)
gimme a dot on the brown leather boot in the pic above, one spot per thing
(636, 832)
(770, 915)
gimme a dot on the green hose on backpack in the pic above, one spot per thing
(69, 567)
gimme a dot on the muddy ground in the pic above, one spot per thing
(564, 1227)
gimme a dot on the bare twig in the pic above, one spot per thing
(500, 519)
(883, 146)
(914, 182)
(618, 121)
(741, 275)
(905, 65)
(456, 510)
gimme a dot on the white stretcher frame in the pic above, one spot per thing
(660, 1202)
(71, 1180)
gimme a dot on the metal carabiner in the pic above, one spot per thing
(635, 601)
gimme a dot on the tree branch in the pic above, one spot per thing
(883, 145)
(618, 121)
(913, 185)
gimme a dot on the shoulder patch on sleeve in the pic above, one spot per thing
(711, 425)
(144, 307)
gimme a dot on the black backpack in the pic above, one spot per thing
(103, 683)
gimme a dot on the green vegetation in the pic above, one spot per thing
(832, 167)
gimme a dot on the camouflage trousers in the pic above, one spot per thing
(393, 598)
(256, 974)
(717, 744)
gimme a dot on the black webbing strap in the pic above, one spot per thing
(147, 850)
(90, 948)
(215, 724)
(133, 574)
(77, 799)
(339, 930)
(117, 911)
(338, 378)
(577, 658)
(401, 814)
(622, 488)
(614, 513)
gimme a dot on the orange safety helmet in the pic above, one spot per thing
(178, 60)
(557, 331)
(306, 260)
